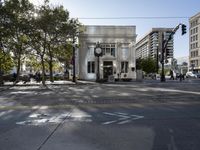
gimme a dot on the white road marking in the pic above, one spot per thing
(109, 122)
(123, 118)
(137, 117)
(46, 118)
(123, 122)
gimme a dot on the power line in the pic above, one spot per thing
(124, 18)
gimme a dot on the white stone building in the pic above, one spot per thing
(118, 46)
(194, 35)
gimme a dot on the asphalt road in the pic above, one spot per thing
(101, 117)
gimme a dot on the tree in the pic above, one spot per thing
(64, 54)
(18, 14)
(51, 31)
(60, 30)
(139, 64)
(148, 65)
(6, 62)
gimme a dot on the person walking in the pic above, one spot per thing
(171, 75)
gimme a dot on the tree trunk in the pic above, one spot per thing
(42, 59)
(18, 68)
(43, 70)
(51, 66)
(1, 73)
(51, 71)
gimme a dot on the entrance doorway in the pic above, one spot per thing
(107, 69)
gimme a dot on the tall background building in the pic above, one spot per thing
(151, 44)
(194, 38)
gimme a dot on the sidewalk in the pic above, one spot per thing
(33, 83)
(8, 85)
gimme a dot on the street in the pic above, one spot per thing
(141, 116)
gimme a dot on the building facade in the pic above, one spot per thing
(194, 43)
(151, 44)
(118, 47)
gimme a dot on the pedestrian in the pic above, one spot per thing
(37, 76)
(181, 77)
(14, 77)
(171, 75)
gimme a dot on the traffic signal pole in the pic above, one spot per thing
(162, 79)
(164, 47)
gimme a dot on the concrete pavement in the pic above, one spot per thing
(162, 126)
(142, 116)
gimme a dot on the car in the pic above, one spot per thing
(198, 75)
(191, 75)
(58, 76)
(12, 77)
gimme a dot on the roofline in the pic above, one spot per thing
(153, 30)
(109, 25)
(196, 15)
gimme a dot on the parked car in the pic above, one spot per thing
(11, 77)
(24, 77)
(198, 75)
(191, 75)
(58, 76)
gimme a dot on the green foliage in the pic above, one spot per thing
(43, 33)
(33, 62)
(6, 62)
(148, 65)
(15, 26)
(64, 54)
(139, 64)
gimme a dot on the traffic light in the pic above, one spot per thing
(184, 30)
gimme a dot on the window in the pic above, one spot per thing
(108, 49)
(91, 67)
(124, 67)
(91, 51)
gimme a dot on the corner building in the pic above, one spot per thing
(194, 44)
(118, 48)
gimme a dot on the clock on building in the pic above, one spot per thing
(98, 50)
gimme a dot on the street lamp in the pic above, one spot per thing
(164, 43)
(1, 72)
(98, 53)
(73, 60)
(157, 56)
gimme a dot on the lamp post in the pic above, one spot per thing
(157, 56)
(1, 72)
(98, 53)
(73, 61)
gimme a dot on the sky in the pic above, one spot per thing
(136, 8)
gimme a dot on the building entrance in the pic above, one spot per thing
(107, 69)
